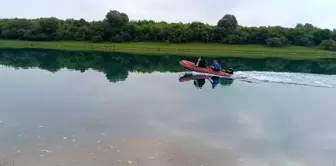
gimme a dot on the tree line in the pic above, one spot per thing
(117, 27)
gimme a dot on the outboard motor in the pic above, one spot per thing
(229, 70)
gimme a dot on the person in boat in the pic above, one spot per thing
(215, 66)
(200, 62)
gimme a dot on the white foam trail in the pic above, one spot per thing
(317, 80)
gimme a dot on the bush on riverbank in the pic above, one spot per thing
(328, 45)
(277, 42)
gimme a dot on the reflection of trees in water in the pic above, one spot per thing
(117, 65)
(278, 65)
(116, 76)
(326, 66)
(115, 71)
(50, 63)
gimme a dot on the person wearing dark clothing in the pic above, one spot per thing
(200, 62)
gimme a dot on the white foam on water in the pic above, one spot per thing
(303, 79)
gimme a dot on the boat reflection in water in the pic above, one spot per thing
(200, 79)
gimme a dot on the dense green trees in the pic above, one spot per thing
(117, 27)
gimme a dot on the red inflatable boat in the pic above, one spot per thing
(191, 66)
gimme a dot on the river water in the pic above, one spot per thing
(86, 108)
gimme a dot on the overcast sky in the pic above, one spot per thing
(248, 12)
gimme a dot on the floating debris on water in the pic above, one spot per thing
(98, 142)
(103, 134)
(18, 151)
(65, 138)
(129, 161)
(1, 121)
(151, 157)
(73, 140)
(110, 146)
(241, 160)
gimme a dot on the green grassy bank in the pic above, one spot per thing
(190, 49)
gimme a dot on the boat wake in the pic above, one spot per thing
(302, 79)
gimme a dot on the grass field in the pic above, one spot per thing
(190, 49)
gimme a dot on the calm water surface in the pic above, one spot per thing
(133, 110)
